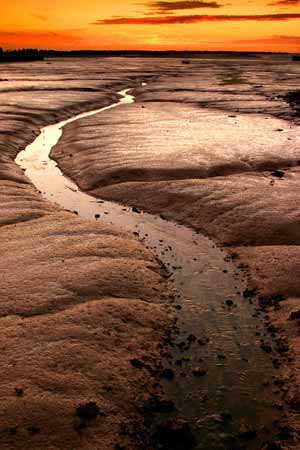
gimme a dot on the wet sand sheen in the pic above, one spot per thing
(235, 366)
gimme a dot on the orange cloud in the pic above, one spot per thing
(186, 19)
(170, 6)
(293, 40)
(285, 3)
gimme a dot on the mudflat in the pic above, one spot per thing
(215, 147)
(212, 145)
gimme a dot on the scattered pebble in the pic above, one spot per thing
(199, 372)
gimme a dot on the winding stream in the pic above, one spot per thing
(229, 335)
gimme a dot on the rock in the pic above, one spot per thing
(266, 347)
(295, 403)
(136, 363)
(226, 416)
(19, 392)
(136, 210)
(272, 329)
(168, 374)
(88, 411)
(271, 446)
(97, 216)
(174, 434)
(277, 173)
(249, 293)
(199, 372)
(33, 429)
(191, 338)
(247, 431)
(229, 302)
(285, 433)
(282, 346)
(295, 315)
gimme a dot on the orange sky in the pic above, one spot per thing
(133, 24)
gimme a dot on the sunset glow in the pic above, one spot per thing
(258, 25)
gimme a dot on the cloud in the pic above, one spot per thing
(170, 6)
(272, 40)
(189, 19)
(285, 3)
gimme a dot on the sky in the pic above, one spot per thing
(257, 25)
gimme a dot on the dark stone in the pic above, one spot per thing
(174, 435)
(97, 216)
(88, 411)
(247, 432)
(191, 338)
(119, 447)
(277, 173)
(276, 363)
(272, 300)
(168, 374)
(271, 446)
(266, 347)
(282, 347)
(137, 363)
(198, 372)
(249, 293)
(295, 404)
(136, 210)
(33, 429)
(226, 416)
(295, 315)
(285, 433)
(19, 392)
(229, 302)
(272, 329)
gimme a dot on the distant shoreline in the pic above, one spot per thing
(30, 55)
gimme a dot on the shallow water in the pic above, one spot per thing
(236, 367)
